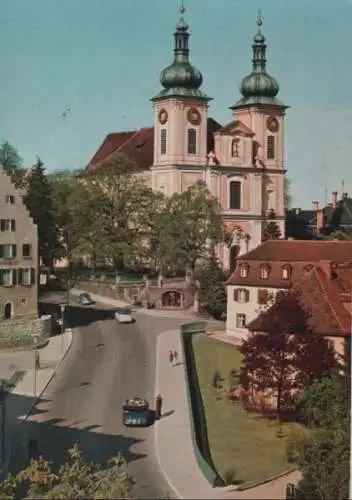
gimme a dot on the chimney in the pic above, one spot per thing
(345, 196)
(315, 205)
(297, 211)
(334, 199)
(320, 219)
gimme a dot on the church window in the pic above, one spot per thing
(271, 147)
(192, 141)
(235, 195)
(235, 148)
(163, 141)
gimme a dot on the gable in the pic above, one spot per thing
(236, 128)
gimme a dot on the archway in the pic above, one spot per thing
(171, 299)
(8, 310)
(234, 251)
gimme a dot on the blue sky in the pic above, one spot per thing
(103, 57)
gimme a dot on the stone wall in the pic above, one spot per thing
(16, 329)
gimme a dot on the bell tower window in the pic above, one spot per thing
(271, 147)
(235, 195)
(192, 141)
(163, 141)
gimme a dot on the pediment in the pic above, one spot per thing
(236, 128)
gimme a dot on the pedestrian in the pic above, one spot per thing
(171, 356)
(158, 406)
(175, 357)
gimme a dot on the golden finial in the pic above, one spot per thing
(182, 8)
(259, 18)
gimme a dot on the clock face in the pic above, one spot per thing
(193, 116)
(163, 116)
(272, 124)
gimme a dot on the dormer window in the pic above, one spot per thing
(235, 148)
(286, 272)
(243, 270)
(264, 272)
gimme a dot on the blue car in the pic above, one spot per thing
(136, 413)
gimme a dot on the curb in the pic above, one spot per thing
(255, 484)
(156, 388)
(38, 397)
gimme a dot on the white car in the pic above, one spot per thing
(123, 315)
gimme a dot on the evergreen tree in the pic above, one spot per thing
(272, 230)
(212, 293)
(38, 200)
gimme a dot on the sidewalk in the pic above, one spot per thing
(173, 441)
(22, 399)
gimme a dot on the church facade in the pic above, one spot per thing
(242, 162)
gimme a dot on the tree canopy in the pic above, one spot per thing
(212, 292)
(271, 228)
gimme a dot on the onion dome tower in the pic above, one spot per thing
(181, 78)
(259, 87)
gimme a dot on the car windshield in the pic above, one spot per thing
(85, 296)
(124, 310)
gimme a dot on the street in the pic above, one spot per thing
(107, 363)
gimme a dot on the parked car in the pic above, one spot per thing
(123, 315)
(85, 299)
(135, 412)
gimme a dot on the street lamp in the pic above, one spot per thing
(349, 295)
(62, 309)
(36, 363)
(4, 391)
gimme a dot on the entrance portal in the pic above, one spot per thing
(172, 299)
(8, 310)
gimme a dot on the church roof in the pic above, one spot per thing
(138, 145)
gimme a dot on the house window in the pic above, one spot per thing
(26, 250)
(243, 271)
(192, 141)
(163, 141)
(263, 296)
(235, 148)
(10, 199)
(286, 271)
(235, 195)
(264, 272)
(241, 295)
(7, 225)
(7, 277)
(241, 320)
(271, 147)
(7, 251)
(26, 277)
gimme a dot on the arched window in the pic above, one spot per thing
(271, 147)
(192, 141)
(163, 141)
(235, 201)
(244, 270)
(235, 148)
(264, 272)
(286, 272)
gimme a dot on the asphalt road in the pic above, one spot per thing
(107, 363)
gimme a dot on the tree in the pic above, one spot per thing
(122, 206)
(324, 456)
(11, 162)
(338, 235)
(284, 356)
(212, 293)
(271, 229)
(76, 479)
(194, 225)
(39, 202)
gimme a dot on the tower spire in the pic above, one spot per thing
(259, 47)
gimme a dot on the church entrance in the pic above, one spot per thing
(234, 251)
(8, 310)
(172, 299)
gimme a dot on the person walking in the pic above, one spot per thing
(175, 356)
(171, 356)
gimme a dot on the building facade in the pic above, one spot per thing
(273, 266)
(242, 162)
(18, 255)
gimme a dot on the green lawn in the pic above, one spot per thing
(244, 442)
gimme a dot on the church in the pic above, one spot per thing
(242, 162)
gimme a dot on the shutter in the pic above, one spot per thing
(19, 276)
(14, 277)
(2, 253)
(13, 225)
(2, 276)
(33, 273)
(235, 295)
(247, 295)
(14, 250)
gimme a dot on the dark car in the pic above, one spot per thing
(136, 412)
(85, 299)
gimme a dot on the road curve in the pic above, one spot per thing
(107, 363)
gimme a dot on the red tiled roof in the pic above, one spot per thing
(297, 254)
(320, 296)
(138, 145)
(236, 124)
